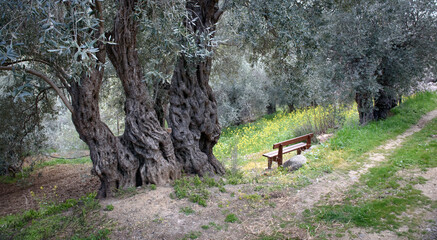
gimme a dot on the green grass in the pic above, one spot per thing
(358, 140)
(197, 189)
(59, 161)
(187, 210)
(380, 214)
(205, 227)
(192, 235)
(78, 219)
(421, 151)
(217, 227)
(274, 236)
(381, 195)
(109, 207)
(231, 218)
(192, 188)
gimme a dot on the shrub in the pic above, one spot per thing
(22, 110)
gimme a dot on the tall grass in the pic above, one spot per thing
(261, 135)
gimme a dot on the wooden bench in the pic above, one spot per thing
(299, 144)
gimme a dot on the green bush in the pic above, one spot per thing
(21, 129)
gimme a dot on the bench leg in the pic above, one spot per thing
(269, 166)
(298, 151)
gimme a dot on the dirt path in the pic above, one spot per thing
(154, 215)
(335, 184)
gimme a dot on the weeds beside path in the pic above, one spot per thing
(378, 155)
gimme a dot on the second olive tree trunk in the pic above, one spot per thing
(193, 107)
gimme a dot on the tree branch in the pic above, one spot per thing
(218, 14)
(47, 80)
(61, 74)
(101, 55)
(225, 6)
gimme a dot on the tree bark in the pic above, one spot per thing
(271, 108)
(112, 162)
(291, 107)
(193, 108)
(161, 102)
(149, 143)
(364, 106)
(383, 104)
(144, 153)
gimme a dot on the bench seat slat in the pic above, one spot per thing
(285, 150)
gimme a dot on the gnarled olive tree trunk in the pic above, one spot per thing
(149, 143)
(365, 106)
(386, 98)
(144, 153)
(193, 108)
(113, 163)
(161, 102)
(383, 104)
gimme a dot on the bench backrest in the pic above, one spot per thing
(306, 138)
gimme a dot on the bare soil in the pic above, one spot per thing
(53, 183)
(153, 214)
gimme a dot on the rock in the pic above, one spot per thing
(295, 163)
(324, 137)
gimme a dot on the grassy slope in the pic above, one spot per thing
(358, 140)
(382, 195)
(245, 144)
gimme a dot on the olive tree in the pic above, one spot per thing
(241, 88)
(193, 107)
(22, 115)
(377, 49)
(66, 44)
(281, 35)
